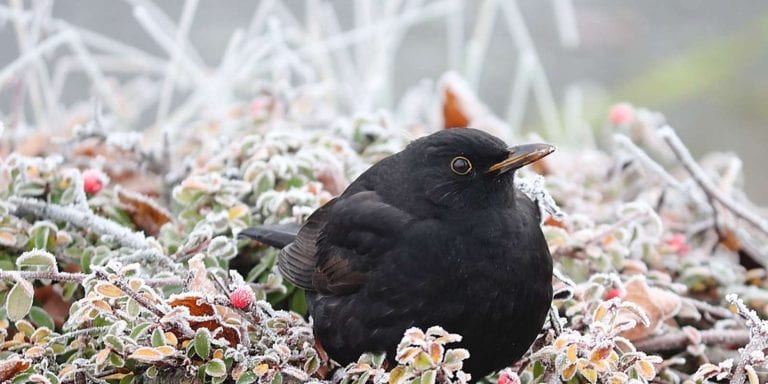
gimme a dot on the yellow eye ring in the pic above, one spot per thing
(460, 165)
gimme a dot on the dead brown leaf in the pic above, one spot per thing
(145, 213)
(660, 306)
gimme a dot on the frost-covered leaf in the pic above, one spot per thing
(19, 300)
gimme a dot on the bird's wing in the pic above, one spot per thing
(339, 244)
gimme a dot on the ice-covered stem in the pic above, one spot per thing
(84, 219)
(77, 277)
(79, 332)
(679, 340)
(684, 156)
(43, 275)
(123, 286)
(650, 163)
(713, 310)
(758, 337)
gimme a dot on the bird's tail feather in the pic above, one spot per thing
(277, 236)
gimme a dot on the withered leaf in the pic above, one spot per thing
(146, 214)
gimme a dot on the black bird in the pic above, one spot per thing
(434, 235)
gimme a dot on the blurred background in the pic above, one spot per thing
(702, 64)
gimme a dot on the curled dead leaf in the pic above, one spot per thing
(658, 304)
(13, 366)
(147, 215)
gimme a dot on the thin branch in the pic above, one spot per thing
(679, 340)
(84, 219)
(119, 283)
(43, 275)
(78, 333)
(650, 163)
(701, 178)
(716, 311)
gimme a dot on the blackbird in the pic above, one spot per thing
(436, 234)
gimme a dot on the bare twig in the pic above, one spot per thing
(84, 219)
(643, 157)
(679, 340)
(757, 341)
(119, 283)
(701, 178)
(78, 277)
(716, 311)
(43, 275)
(78, 333)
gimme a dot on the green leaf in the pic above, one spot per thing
(158, 337)
(22, 378)
(30, 188)
(538, 369)
(133, 308)
(299, 302)
(428, 377)
(114, 343)
(216, 368)
(19, 300)
(222, 248)
(128, 379)
(52, 377)
(278, 379)
(247, 377)
(37, 258)
(40, 317)
(203, 343)
(85, 262)
(139, 330)
(264, 264)
(422, 361)
(43, 235)
(116, 360)
(151, 372)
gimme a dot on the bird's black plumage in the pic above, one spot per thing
(433, 235)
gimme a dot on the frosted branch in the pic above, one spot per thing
(80, 218)
(704, 182)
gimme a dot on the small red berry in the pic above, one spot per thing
(508, 378)
(621, 114)
(93, 181)
(612, 293)
(678, 244)
(242, 297)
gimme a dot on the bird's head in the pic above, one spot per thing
(467, 168)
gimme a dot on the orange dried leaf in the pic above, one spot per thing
(645, 370)
(568, 372)
(453, 114)
(7, 239)
(166, 350)
(572, 353)
(196, 304)
(147, 354)
(12, 367)
(261, 369)
(109, 290)
(102, 356)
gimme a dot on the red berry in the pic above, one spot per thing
(93, 181)
(242, 297)
(612, 293)
(678, 244)
(621, 114)
(508, 378)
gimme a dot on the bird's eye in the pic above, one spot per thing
(460, 165)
